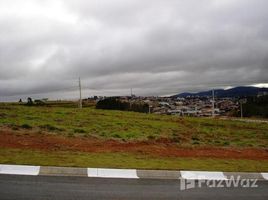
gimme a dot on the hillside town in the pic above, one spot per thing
(203, 104)
(189, 106)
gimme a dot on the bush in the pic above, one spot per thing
(116, 135)
(51, 128)
(78, 130)
(195, 138)
(29, 101)
(226, 143)
(39, 102)
(151, 137)
(26, 126)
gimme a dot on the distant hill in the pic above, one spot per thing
(241, 91)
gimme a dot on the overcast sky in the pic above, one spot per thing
(156, 47)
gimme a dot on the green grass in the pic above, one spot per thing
(124, 160)
(134, 126)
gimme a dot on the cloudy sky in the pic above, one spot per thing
(156, 47)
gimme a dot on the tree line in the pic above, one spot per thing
(114, 103)
(256, 106)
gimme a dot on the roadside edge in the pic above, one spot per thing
(127, 173)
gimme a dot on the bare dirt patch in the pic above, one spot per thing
(162, 148)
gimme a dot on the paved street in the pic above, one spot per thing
(64, 188)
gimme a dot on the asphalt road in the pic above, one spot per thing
(64, 188)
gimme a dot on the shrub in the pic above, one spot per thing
(151, 137)
(195, 138)
(50, 127)
(15, 128)
(116, 135)
(26, 126)
(78, 130)
(29, 101)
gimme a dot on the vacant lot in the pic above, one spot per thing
(129, 126)
(53, 131)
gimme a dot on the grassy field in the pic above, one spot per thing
(134, 126)
(87, 123)
(125, 160)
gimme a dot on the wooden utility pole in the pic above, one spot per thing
(80, 92)
(241, 110)
(213, 104)
(242, 101)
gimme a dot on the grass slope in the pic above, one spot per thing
(126, 126)
(134, 126)
(119, 160)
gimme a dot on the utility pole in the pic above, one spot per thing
(241, 109)
(213, 104)
(80, 92)
(242, 101)
(130, 92)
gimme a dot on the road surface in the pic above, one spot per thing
(65, 188)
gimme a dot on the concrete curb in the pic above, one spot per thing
(62, 171)
(158, 174)
(202, 175)
(244, 175)
(112, 173)
(127, 173)
(19, 169)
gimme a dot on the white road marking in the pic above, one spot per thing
(19, 169)
(199, 175)
(112, 173)
(92, 172)
(265, 175)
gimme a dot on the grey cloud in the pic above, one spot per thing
(157, 47)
